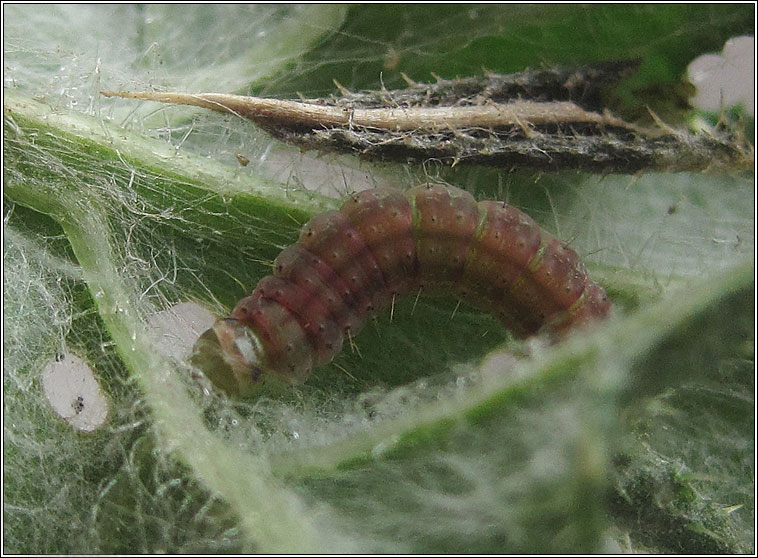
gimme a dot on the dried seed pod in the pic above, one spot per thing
(384, 243)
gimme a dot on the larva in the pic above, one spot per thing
(384, 243)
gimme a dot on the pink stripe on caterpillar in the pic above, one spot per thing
(507, 240)
(444, 223)
(384, 219)
(311, 312)
(300, 266)
(382, 243)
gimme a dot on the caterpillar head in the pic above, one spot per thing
(232, 357)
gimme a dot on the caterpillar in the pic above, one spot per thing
(383, 243)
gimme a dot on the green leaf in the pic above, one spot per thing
(453, 40)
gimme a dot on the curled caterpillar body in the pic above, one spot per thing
(384, 243)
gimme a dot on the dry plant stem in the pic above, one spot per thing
(547, 120)
(284, 112)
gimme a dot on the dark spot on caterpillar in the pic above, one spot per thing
(436, 239)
